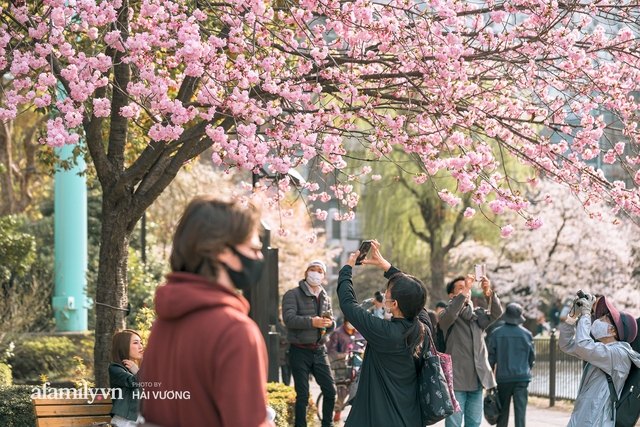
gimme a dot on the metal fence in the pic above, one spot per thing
(555, 375)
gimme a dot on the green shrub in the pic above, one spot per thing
(282, 398)
(16, 409)
(5, 375)
(50, 356)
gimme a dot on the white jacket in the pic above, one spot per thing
(593, 406)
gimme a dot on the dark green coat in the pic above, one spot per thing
(120, 377)
(388, 390)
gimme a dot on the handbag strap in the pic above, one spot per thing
(425, 353)
(432, 346)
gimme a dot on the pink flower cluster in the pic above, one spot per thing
(468, 91)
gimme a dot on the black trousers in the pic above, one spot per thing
(304, 361)
(517, 390)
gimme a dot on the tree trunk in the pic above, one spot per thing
(7, 206)
(437, 259)
(112, 282)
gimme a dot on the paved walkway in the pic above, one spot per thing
(536, 416)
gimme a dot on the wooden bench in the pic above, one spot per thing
(71, 412)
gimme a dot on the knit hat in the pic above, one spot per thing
(319, 264)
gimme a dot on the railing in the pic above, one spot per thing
(555, 375)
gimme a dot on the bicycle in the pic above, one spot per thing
(346, 376)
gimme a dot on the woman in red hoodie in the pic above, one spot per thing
(206, 360)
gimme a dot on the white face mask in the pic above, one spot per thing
(314, 278)
(600, 329)
(387, 310)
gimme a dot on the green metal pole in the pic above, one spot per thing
(70, 302)
(70, 209)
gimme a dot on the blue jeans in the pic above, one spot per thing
(471, 405)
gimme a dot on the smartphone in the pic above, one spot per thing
(326, 314)
(364, 249)
(481, 271)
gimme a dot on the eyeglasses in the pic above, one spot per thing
(384, 299)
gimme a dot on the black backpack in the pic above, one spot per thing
(628, 405)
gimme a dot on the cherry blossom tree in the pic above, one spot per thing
(148, 85)
(18, 165)
(538, 266)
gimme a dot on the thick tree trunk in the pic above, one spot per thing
(437, 260)
(112, 282)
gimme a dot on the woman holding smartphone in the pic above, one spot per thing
(126, 354)
(388, 390)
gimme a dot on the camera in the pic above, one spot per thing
(580, 294)
(378, 296)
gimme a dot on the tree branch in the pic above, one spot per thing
(121, 77)
(420, 234)
(457, 225)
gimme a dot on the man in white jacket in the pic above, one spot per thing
(610, 353)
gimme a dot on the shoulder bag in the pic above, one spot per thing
(435, 385)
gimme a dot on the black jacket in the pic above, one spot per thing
(512, 349)
(127, 406)
(388, 389)
(299, 306)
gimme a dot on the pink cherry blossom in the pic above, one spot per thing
(496, 206)
(443, 84)
(321, 215)
(506, 231)
(101, 107)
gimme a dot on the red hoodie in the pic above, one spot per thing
(206, 361)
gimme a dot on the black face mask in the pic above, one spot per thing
(248, 278)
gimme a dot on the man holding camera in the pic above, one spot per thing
(307, 314)
(604, 343)
(374, 305)
(462, 325)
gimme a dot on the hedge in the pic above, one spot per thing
(5, 375)
(282, 398)
(52, 356)
(16, 409)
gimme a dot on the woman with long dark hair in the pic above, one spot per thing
(126, 355)
(388, 390)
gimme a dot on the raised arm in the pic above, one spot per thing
(594, 352)
(372, 328)
(448, 316)
(495, 307)
(567, 341)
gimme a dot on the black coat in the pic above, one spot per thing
(388, 390)
(299, 307)
(127, 405)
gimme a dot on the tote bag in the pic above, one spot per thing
(436, 399)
